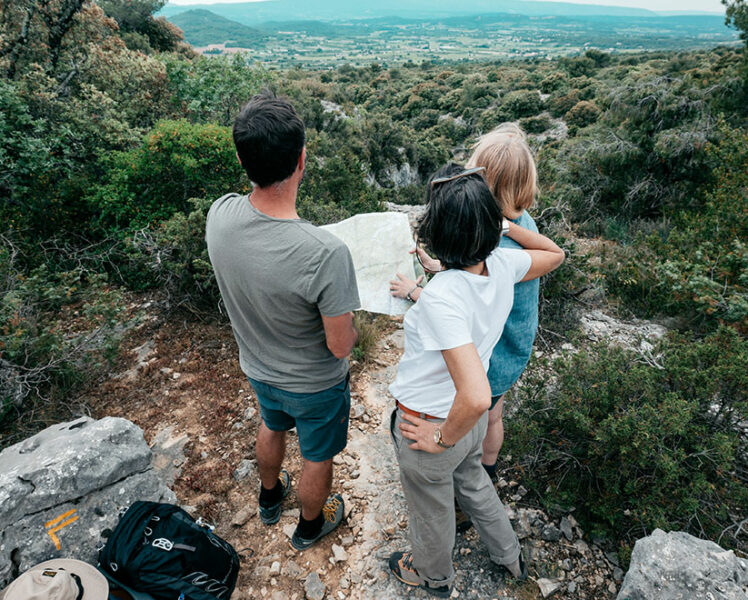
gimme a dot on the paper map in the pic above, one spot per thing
(379, 244)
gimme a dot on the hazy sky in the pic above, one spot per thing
(706, 5)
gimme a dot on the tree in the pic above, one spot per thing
(214, 89)
(736, 16)
(136, 22)
(35, 30)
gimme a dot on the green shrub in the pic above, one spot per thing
(698, 270)
(520, 103)
(583, 113)
(553, 82)
(213, 89)
(578, 66)
(638, 440)
(535, 124)
(334, 185)
(173, 256)
(56, 328)
(560, 104)
(176, 161)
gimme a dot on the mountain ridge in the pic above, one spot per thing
(254, 13)
(203, 27)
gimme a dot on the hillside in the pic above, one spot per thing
(202, 27)
(490, 36)
(253, 13)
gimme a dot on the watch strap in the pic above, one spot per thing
(440, 441)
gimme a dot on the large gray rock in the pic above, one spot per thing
(64, 487)
(678, 566)
(635, 335)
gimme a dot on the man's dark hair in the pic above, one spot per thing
(269, 138)
(462, 222)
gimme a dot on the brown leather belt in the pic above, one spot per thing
(414, 413)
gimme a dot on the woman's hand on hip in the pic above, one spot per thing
(421, 432)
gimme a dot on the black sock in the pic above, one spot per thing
(491, 469)
(310, 529)
(270, 497)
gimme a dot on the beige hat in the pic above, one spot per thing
(58, 579)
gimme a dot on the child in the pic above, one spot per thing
(512, 177)
(441, 387)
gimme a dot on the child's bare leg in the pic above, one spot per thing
(494, 434)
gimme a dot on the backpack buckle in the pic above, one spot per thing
(205, 524)
(163, 544)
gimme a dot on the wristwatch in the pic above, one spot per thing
(438, 439)
(411, 298)
(504, 226)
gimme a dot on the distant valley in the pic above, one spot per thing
(315, 39)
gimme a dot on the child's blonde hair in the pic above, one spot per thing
(510, 166)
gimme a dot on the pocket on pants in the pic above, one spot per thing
(396, 438)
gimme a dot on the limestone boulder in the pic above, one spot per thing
(63, 490)
(678, 566)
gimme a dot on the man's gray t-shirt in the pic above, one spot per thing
(277, 277)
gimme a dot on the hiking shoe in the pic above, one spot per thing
(333, 512)
(401, 565)
(271, 514)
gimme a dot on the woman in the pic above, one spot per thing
(441, 387)
(511, 175)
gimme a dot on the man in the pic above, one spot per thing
(289, 290)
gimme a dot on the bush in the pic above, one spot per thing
(176, 161)
(582, 114)
(535, 124)
(696, 270)
(578, 66)
(553, 82)
(213, 89)
(55, 329)
(560, 104)
(642, 440)
(334, 185)
(520, 103)
(174, 257)
(645, 157)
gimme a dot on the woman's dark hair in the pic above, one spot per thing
(462, 222)
(269, 138)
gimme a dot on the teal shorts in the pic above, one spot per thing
(321, 418)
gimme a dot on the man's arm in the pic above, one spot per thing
(340, 334)
(473, 398)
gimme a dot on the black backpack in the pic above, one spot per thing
(160, 550)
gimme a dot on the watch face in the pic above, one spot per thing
(437, 436)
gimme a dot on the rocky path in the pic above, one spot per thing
(380, 520)
(183, 386)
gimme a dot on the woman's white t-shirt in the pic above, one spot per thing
(456, 308)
